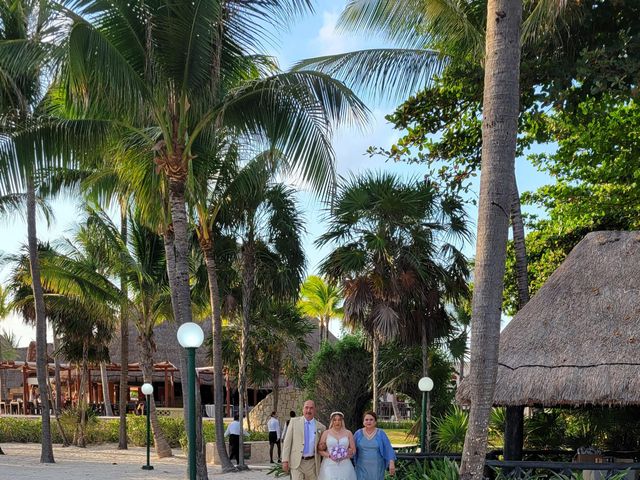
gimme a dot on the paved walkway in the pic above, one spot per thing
(103, 462)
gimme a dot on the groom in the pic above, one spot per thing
(300, 444)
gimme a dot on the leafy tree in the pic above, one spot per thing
(338, 379)
(389, 255)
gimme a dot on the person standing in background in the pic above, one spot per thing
(273, 426)
(233, 432)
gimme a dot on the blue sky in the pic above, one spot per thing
(314, 35)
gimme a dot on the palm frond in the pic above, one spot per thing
(388, 73)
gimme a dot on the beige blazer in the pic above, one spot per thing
(294, 443)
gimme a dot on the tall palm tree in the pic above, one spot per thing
(145, 274)
(268, 227)
(320, 300)
(174, 71)
(391, 259)
(25, 46)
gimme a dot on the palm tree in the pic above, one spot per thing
(281, 335)
(25, 47)
(173, 72)
(389, 256)
(145, 274)
(267, 224)
(320, 300)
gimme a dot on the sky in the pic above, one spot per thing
(314, 35)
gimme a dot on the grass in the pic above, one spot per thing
(399, 437)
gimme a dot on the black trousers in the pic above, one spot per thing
(273, 440)
(234, 447)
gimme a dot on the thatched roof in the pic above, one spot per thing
(577, 341)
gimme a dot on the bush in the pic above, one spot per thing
(28, 430)
(338, 379)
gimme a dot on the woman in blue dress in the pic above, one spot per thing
(374, 453)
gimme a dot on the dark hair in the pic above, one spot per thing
(273, 414)
(236, 417)
(292, 413)
(372, 413)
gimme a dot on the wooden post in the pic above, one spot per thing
(166, 388)
(89, 380)
(25, 388)
(514, 433)
(68, 384)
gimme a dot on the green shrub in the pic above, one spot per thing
(450, 430)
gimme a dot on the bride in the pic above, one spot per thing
(337, 447)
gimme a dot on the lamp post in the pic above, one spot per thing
(147, 390)
(425, 385)
(191, 336)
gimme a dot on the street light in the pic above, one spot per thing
(191, 336)
(425, 385)
(147, 390)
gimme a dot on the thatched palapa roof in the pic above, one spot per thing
(577, 341)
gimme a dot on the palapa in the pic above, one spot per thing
(577, 341)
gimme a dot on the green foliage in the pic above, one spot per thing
(401, 368)
(28, 430)
(449, 431)
(338, 378)
(444, 469)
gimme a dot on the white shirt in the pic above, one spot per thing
(273, 425)
(233, 429)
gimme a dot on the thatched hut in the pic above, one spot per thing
(577, 341)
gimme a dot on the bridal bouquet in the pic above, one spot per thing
(338, 453)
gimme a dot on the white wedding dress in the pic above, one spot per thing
(331, 470)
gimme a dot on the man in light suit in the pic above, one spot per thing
(299, 452)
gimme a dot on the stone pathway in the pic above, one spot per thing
(103, 462)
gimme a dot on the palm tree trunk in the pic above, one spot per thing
(124, 340)
(42, 368)
(104, 378)
(514, 424)
(216, 320)
(499, 130)
(163, 449)
(374, 375)
(82, 401)
(248, 272)
(462, 372)
(519, 246)
(181, 293)
(394, 406)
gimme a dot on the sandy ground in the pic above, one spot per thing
(103, 462)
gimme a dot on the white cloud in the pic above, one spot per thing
(329, 41)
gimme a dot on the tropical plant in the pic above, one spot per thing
(266, 222)
(390, 257)
(338, 378)
(197, 71)
(320, 300)
(27, 40)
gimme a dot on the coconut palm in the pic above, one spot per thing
(25, 46)
(268, 227)
(175, 71)
(320, 300)
(389, 256)
(145, 274)
(78, 302)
